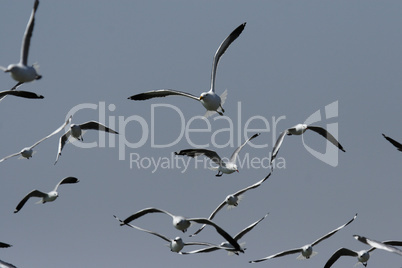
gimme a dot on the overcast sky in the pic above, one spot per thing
(294, 58)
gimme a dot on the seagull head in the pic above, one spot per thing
(307, 251)
(231, 200)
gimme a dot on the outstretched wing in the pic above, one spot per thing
(386, 245)
(236, 152)
(202, 250)
(277, 145)
(394, 142)
(161, 93)
(339, 253)
(280, 254)
(97, 126)
(62, 142)
(144, 212)
(21, 93)
(323, 132)
(255, 185)
(53, 133)
(34, 193)
(7, 157)
(332, 232)
(221, 50)
(4, 245)
(248, 228)
(28, 34)
(196, 152)
(66, 180)
(221, 205)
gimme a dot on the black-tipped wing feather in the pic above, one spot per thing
(323, 132)
(34, 193)
(196, 152)
(161, 93)
(394, 142)
(21, 93)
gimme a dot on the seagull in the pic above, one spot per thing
(232, 200)
(394, 142)
(4, 264)
(76, 132)
(381, 245)
(20, 93)
(21, 72)
(46, 197)
(182, 223)
(307, 250)
(210, 100)
(363, 255)
(227, 168)
(176, 244)
(225, 245)
(28, 151)
(299, 129)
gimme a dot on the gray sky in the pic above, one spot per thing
(293, 59)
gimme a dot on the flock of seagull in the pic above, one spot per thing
(213, 103)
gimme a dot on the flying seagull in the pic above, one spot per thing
(225, 245)
(394, 142)
(307, 250)
(182, 223)
(21, 72)
(299, 129)
(381, 245)
(232, 200)
(28, 151)
(210, 100)
(46, 197)
(363, 255)
(76, 132)
(20, 93)
(176, 244)
(227, 168)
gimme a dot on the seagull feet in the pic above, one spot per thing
(219, 113)
(38, 77)
(219, 175)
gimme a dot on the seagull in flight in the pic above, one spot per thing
(45, 197)
(225, 245)
(299, 129)
(394, 142)
(307, 250)
(28, 151)
(20, 93)
(232, 200)
(76, 132)
(181, 223)
(363, 255)
(210, 100)
(176, 244)
(227, 168)
(21, 72)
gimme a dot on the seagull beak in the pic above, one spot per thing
(201, 97)
(237, 170)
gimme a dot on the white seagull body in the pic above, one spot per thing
(182, 223)
(307, 250)
(45, 197)
(210, 100)
(21, 72)
(232, 200)
(225, 245)
(27, 152)
(227, 168)
(394, 142)
(363, 255)
(76, 132)
(176, 244)
(299, 129)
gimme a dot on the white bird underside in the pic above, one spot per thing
(211, 101)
